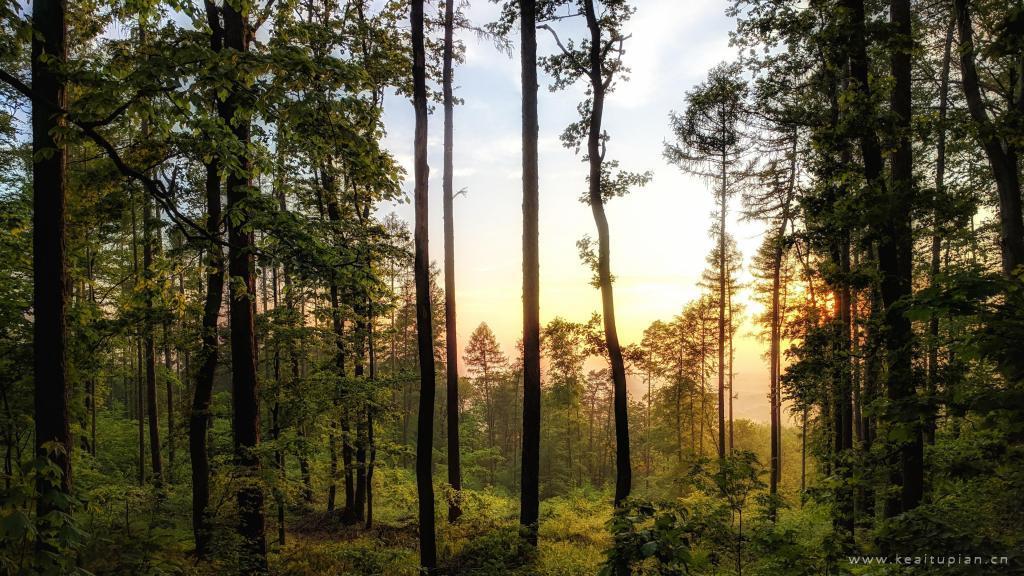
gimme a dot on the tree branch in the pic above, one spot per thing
(16, 83)
(568, 55)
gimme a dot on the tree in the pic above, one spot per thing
(710, 281)
(148, 342)
(424, 328)
(451, 338)
(895, 241)
(49, 261)
(598, 60)
(895, 256)
(529, 499)
(995, 138)
(242, 307)
(487, 364)
(774, 201)
(710, 143)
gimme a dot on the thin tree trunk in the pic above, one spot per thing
(722, 205)
(775, 352)
(332, 441)
(732, 376)
(148, 342)
(803, 455)
(370, 440)
(90, 265)
(329, 203)
(169, 391)
(842, 398)
(936, 248)
(773, 360)
(424, 323)
(199, 420)
(139, 396)
(359, 503)
(529, 496)
(140, 408)
(275, 424)
(623, 471)
(451, 336)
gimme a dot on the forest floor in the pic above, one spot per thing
(154, 539)
(572, 541)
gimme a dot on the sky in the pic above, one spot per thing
(659, 233)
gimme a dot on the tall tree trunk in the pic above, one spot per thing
(148, 341)
(894, 246)
(49, 257)
(896, 263)
(169, 391)
(529, 495)
(92, 381)
(842, 393)
(803, 455)
(359, 502)
(370, 440)
(722, 206)
(775, 351)
(1001, 152)
(937, 222)
(199, 420)
(623, 471)
(244, 383)
(275, 422)
(296, 373)
(140, 397)
(732, 375)
(451, 336)
(773, 360)
(424, 324)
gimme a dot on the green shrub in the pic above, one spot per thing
(499, 552)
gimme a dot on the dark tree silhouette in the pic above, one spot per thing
(1001, 151)
(451, 336)
(424, 323)
(529, 496)
(49, 256)
(241, 268)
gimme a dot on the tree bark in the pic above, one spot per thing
(169, 391)
(896, 263)
(199, 420)
(244, 378)
(296, 373)
(529, 495)
(894, 246)
(424, 324)
(49, 257)
(370, 440)
(936, 247)
(722, 206)
(140, 397)
(148, 341)
(623, 471)
(451, 335)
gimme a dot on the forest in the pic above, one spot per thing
(227, 345)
